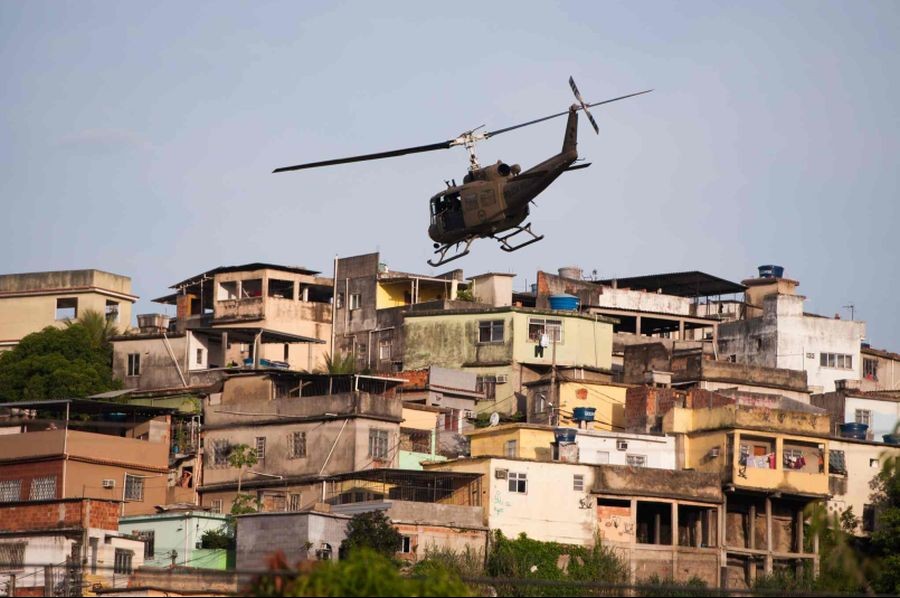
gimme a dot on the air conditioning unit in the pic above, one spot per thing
(109, 483)
(502, 378)
(501, 474)
(469, 414)
(621, 445)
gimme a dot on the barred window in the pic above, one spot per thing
(297, 445)
(636, 460)
(43, 488)
(537, 327)
(123, 561)
(378, 444)
(220, 450)
(261, 449)
(12, 556)
(295, 502)
(217, 505)
(10, 490)
(578, 483)
(149, 539)
(134, 487)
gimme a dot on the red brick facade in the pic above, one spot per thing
(26, 472)
(48, 515)
(645, 406)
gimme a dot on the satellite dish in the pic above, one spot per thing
(495, 419)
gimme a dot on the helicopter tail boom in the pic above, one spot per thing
(570, 141)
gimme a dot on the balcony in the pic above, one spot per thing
(789, 464)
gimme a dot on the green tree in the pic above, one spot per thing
(239, 457)
(372, 530)
(56, 364)
(99, 328)
(886, 537)
(340, 363)
(363, 573)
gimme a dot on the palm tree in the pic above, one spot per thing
(340, 364)
(99, 328)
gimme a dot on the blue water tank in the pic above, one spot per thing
(583, 414)
(771, 271)
(854, 430)
(891, 438)
(564, 302)
(565, 434)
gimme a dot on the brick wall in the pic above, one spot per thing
(44, 515)
(26, 472)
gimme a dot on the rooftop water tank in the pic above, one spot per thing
(565, 434)
(571, 272)
(564, 302)
(771, 271)
(854, 430)
(583, 414)
(891, 438)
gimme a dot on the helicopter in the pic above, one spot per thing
(493, 201)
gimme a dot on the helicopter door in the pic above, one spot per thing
(452, 215)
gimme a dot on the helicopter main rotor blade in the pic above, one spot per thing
(583, 105)
(540, 120)
(377, 156)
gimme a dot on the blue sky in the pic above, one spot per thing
(139, 137)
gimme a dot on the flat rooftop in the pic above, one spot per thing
(680, 284)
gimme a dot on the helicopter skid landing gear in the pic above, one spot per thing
(504, 240)
(443, 249)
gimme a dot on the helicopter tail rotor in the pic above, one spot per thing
(584, 106)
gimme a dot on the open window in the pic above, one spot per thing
(251, 288)
(281, 289)
(228, 290)
(697, 526)
(654, 523)
(67, 308)
(112, 311)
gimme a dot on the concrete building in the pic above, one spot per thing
(771, 455)
(589, 447)
(302, 427)
(455, 391)
(51, 450)
(419, 435)
(31, 302)
(371, 302)
(778, 334)
(553, 398)
(40, 544)
(503, 346)
(683, 367)
(255, 299)
(174, 537)
(633, 510)
(679, 305)
(852, 465)
(879, 410)
(880, 369)
(431, 510)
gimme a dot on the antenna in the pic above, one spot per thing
(495, 419)
(852, 309)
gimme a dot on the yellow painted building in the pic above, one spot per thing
(606, 398)
(516, 441)
(30, 302)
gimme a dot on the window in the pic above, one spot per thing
(295, 502)
(251, 288)
(12, 556)
(488, 386)
(43, 488)
(870, 369)
(864, 416)
(148, 537)
(287, 352)
(490, 331)
(355, 300)
(378, 444)
(836, 360)
(868, 518)
(199, 356)
(297, 445)
(406, 544)
(636, 460)
(281, 289)
(511, 449)
(10, 490)
(221, 448)
(134, 487)
(228, 291)
(874, 463)
(384, 349)
(67, 309)
(112, 311)
(123, 561)
(537, 327)
(518, 482)
(134, 364)
(217, 505)
(578, 483)
(261, 449)
(339, 302)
